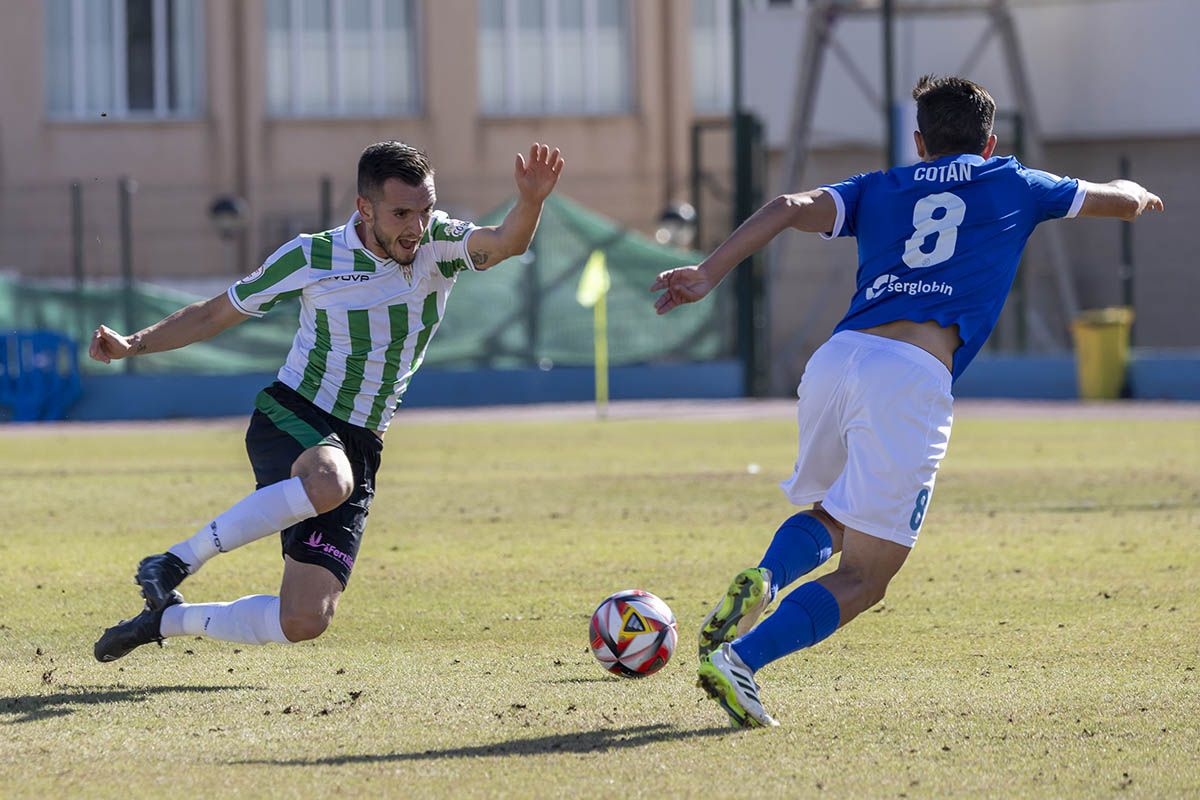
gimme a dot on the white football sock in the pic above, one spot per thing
(269, 510)
(251, 620)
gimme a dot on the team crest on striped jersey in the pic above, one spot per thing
(253, 276)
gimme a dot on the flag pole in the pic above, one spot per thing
(600, 335)
(592, 292)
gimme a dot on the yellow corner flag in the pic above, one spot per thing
(595, 282)
(592, 291)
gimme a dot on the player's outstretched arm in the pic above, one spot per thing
(814, 211)
(535, 180)
(1120, 198)
(193, 323)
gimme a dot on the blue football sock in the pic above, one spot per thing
(801, 544)
(805, 617)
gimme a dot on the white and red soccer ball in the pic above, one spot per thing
(633, 633)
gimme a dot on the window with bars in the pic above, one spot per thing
(712, 57)
(554, 57)
(342, 58)
(123, 58)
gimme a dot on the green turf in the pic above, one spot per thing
(1042, 639)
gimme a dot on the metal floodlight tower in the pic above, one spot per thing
(823, 16)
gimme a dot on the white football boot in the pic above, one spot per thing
(727, 679)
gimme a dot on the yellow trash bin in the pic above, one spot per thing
(1102, 351)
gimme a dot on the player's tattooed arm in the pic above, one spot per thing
(193, 323)
(535, 178)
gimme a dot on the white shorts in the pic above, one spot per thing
(875, 417)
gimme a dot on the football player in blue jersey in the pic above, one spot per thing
(938, 247)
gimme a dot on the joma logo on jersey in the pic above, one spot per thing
(890, 283)
(355, 278)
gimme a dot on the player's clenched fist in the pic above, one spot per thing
(107, 345)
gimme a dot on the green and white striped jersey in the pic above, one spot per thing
(364, 321)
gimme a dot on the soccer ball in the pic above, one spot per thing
(633, 633)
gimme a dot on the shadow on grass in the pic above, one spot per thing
(33, 707)
(600, 741)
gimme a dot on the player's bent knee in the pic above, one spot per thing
(820, 513)
(875, 592)
(870, 587)
(331, 490)
(328, 483)
(836, 529)
(300, 627)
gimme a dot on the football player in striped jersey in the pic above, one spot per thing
(372, 293)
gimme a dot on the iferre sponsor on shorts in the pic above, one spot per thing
(314, 541)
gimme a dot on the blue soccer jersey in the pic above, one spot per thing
(941, 240)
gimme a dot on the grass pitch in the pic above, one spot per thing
(1042, 640)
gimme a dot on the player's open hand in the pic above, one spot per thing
(1149, 202)
(107, 345)
(679, 286)
(537, 176)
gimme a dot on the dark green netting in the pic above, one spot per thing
(258, 345)
(520, 313)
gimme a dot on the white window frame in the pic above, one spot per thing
(120, 65)
(337, 106)
(724, 57)
(552, 104)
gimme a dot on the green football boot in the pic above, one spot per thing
(735, 614)
(727, 679)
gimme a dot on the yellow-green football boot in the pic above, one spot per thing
(727, 679)
(735, 614)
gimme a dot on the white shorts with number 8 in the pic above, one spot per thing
(875, 417)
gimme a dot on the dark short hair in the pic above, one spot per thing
(384, 160)
(955, 115)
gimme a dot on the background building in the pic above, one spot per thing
(270, 101)
(195, 99)
(1110, 80)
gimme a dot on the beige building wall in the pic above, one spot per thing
(809, 291)
(626, 166)
(1093, 110)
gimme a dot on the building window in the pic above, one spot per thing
(554, 57)
(712, 57)
(335, 58)
(123, 58)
